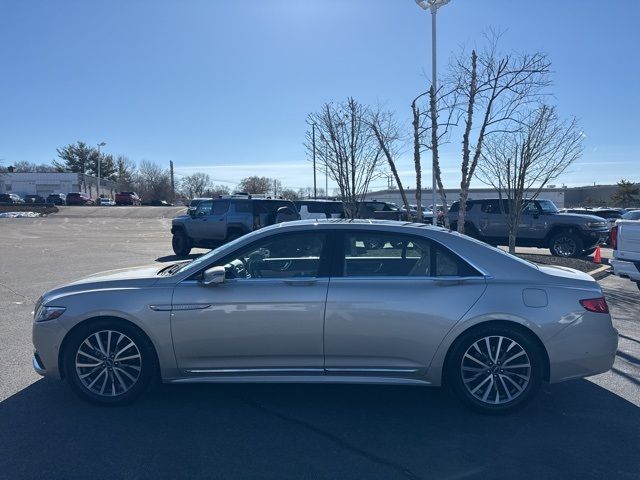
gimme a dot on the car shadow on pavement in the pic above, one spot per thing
(572, 430)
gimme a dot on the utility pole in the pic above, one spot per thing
(173, 185)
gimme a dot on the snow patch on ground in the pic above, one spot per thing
(19, 215)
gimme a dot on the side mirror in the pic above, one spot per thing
(213, 276)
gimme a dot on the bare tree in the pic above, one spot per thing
(352, 155)
(387, 133)
(195, 185)
(255, 185)
(492, 89)
(523, 162)
(216, 191)
(152, 181)
(125, 172)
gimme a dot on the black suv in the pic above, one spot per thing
(542, 225)
(217, 221)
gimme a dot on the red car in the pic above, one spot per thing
(79, 199)
(128, 198)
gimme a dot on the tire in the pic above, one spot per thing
(588, 252)
(181, 244)
(478, 388)
(565, 244)
(109, 362)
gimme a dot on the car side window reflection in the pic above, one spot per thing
(283, 256)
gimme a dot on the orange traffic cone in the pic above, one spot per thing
(596, 257)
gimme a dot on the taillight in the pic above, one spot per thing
(613, 237)
(596, 305)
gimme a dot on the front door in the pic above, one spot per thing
(397, 298)
(266, 317)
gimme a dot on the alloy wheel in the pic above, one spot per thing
(565, 246)
(495, 370)
(108, 363)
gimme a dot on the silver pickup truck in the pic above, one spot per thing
(541, 225)
(625, 240)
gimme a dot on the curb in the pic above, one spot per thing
(600, 272)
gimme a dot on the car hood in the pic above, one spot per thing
(137, 277)
(579, 217)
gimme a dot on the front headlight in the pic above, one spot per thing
(596, 224)
(48, 313)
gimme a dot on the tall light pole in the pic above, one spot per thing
(101, 144)
(313, 141)
(326, 166)
(433, 6)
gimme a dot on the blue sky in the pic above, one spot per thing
(224, 86)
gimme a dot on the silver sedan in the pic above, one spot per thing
(331, 301)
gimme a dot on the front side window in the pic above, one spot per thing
(398, 255)
(281, 256)
(547, 206)
(204, 209)
(530, 209)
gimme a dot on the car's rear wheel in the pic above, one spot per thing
(495, 369)
(109, 362)
(565, 244)
(181, 244)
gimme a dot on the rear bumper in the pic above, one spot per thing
(625, 269)
(586, 347)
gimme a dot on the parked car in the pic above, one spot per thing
(79, 199)
(625, 241)
(106, 202)
(57, 199)
(609, 214)
(308, 302)
(10, 199)
(542, 225)
(427, 214)
(34, 199)
(224, 219)
(128, 198)
(319, 209)
(160, 203)
(380, 210)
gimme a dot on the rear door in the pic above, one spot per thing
(393, 301)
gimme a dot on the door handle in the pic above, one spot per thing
(300, 283)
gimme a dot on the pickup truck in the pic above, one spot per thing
(625, 240)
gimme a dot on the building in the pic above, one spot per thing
(45, 183)
(562, 197)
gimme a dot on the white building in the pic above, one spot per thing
(45, 183)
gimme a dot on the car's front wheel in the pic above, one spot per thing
(565, 244)
(495, 369)
(109, 362)
(181, 244)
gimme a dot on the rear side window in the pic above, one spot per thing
(493, 207)
(242, 207)
(315, 207)
(398, 255)
(220, 207)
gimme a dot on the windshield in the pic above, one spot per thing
(633, 215)
(200, 261)
(548, 206)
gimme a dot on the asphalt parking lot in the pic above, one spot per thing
(580, 429)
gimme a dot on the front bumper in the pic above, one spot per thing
(626, 269)
(586, 347)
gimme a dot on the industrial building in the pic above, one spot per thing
(45, 183)
(563, 197)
